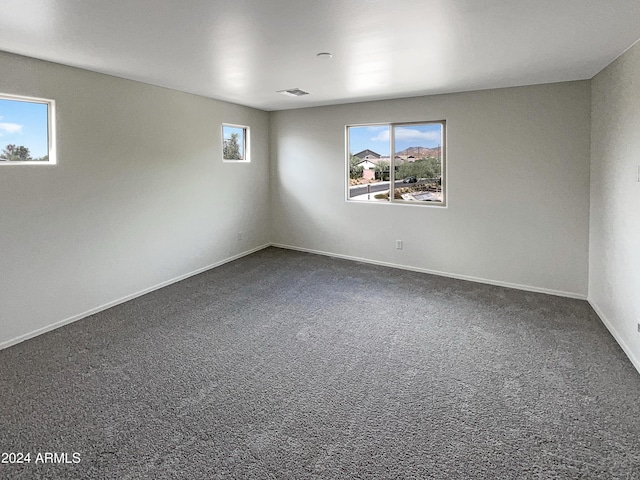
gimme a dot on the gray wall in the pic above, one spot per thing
(518, 178)
(614, 276)
(140, 195)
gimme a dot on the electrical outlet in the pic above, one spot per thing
(239, 236)
(398, 244)
(637, 173)
(638, 327)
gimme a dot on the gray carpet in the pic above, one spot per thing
(285, 365)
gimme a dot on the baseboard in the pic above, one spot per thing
(516, 286)
(614, 333)
(93, 311)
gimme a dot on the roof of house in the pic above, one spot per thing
(367, 153)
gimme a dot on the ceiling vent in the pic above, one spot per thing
(293, 92)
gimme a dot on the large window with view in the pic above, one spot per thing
(414, 174)
(26, 131)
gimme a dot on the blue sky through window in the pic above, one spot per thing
(372, 137)
(24, 124)
(376, 137)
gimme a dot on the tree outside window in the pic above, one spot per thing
(235, 141)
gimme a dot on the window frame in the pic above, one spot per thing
(51, 128)
(246, 143)
(392, 163)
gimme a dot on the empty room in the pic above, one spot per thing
(349, 239)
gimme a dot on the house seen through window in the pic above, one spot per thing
(413, 174)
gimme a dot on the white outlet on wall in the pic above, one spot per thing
(637, 173)
(398, 244)
(239, 236)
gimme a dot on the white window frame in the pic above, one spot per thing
(51, 127)
(392, 176)
(246, 146)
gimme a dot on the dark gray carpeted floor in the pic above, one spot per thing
(285, 365)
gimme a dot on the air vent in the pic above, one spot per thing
(293, 92)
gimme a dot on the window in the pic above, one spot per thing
(26, 131)
(235, 143)
(414, 174)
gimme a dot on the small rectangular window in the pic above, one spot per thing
(413, 174)
(235, 143)
(27, 135)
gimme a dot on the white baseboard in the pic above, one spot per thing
(516, 286)
(93, 311)
(614, 333)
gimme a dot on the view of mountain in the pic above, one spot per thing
(421, 152)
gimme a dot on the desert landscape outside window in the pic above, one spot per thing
(415, 173)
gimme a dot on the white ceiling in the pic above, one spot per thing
(244, 50)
